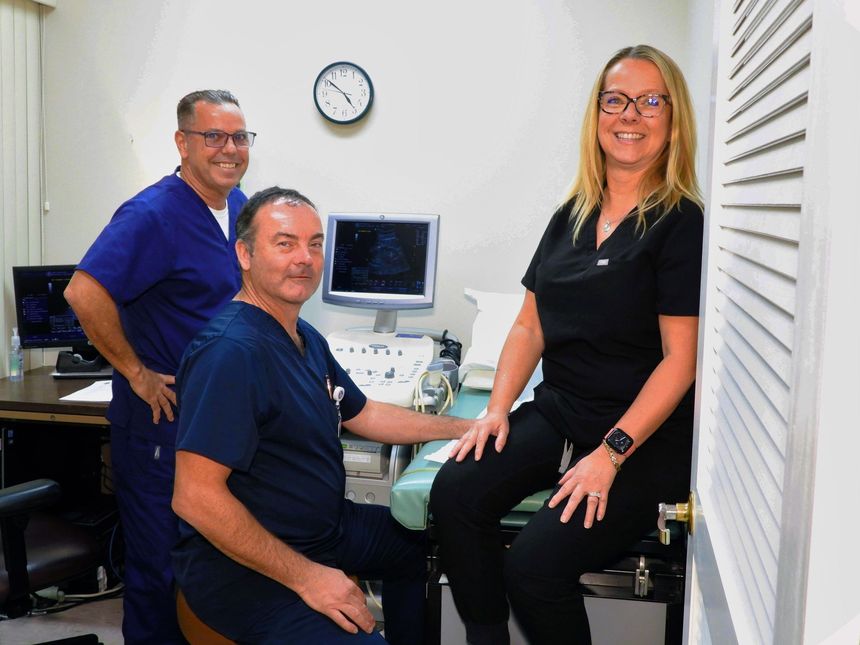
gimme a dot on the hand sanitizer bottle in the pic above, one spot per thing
(16, 358)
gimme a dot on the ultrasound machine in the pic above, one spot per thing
(387, 262)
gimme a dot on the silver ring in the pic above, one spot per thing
(595, 493)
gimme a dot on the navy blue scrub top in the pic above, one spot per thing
(165, 262)
(252, 402)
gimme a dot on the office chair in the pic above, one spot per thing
(39, 550)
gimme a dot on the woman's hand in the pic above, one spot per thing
(591, 474)
(492, 424)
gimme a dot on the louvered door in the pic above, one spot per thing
(749, 316)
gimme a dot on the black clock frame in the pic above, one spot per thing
(370, 90)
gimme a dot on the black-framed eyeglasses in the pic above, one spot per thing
(218, 139)
(647, 105)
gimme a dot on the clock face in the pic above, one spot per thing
(343, 92)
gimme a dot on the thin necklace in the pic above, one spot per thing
(607, 225)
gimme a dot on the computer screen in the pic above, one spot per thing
(381, 261)
(45, 319)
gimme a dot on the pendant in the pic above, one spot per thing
(607, 226)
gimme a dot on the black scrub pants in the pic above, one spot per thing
(539, 574)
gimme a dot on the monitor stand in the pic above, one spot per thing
(82, 362)
(386, 321)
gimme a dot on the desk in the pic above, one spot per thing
(37, 398)
(42, 436)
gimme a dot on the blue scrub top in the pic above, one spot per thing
(166, 263)
(252, 402)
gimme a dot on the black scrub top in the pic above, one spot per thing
(598, 310)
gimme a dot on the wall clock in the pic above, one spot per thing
(343, 92)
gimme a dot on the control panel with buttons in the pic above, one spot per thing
(385, 367)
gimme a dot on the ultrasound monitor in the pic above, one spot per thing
(381, 261)
(45, 319)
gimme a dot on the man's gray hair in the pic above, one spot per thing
(185, 108)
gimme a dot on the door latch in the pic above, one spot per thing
(680, 512)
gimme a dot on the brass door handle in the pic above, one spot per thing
(680, 512)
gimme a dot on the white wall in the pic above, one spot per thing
(477, 113)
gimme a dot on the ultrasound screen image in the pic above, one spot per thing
(380, 257)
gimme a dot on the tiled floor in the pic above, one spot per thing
(103, 618)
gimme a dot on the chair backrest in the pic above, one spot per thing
(38, 549)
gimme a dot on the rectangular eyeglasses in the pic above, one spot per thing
(218, 139)
(647, 105)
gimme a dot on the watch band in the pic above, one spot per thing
(612, 457)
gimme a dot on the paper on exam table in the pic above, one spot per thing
(441, 455)
(98, 392)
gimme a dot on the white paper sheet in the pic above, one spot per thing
(441, 455)
(98, 392)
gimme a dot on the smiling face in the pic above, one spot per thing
(631, 142)
(283, 266)
(212, 172)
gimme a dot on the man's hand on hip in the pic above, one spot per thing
(153, 388)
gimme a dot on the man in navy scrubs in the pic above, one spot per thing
(266, 538)
(158, 272)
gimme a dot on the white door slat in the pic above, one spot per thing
(790, 138)
(766, 467)
(780, 189)
(750, 374)
(776, 320)
(753, 587)
(768, 350)
(742, 16)
(762, 28)
(768, 285)
(791, 94)
(770, 161)
(775, 73)
(765, 530)
(791, 41)
(773, 254)
(777, 126)
(779, 223)
(734, 568)
(745, 40)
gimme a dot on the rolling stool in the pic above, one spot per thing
(195, 630)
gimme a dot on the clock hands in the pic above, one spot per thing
(345, 95)
(347, 80)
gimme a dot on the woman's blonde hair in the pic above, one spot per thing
(673, 174)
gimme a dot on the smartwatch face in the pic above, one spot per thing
(619, 441)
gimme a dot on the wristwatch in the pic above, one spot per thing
(618, 440)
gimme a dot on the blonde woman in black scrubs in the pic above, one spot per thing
(611, 306)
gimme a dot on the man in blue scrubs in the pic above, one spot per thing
(266, 538)
(159, 271)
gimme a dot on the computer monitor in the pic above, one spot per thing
(45, 319)
(382, 261)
